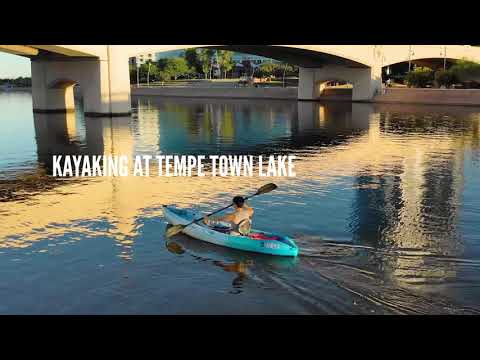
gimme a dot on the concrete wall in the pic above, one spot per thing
(430, 96)
(238, 93)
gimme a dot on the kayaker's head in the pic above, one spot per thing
(238, 201)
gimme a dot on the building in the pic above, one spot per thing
(238, 58)
(142, 58)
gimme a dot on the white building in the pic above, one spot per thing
(142, 58)
(254, 59)
(238, 58)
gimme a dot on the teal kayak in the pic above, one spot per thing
(257, 241)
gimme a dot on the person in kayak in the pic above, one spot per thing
(240, 220)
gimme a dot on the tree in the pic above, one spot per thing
(148, 70)
(445, 78)
(268, 69)
(225, 60)
(163, 76)
(176, 67)
(154, 70)
(247, 67)
(206, 57)
(277, 70)
(420, 77)
(466, 70)
(133, 73)
(19, 81)
(191, 56)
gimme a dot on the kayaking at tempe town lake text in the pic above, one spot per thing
(237, 180)
(173, 165)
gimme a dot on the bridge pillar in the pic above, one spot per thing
(367, 82)
(105, 85)
(49, 94)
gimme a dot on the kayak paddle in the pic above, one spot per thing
(175, 229)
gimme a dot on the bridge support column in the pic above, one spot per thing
(50, 95)
(104, 84)
(367, 82)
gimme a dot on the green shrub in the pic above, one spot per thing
(176, 67)
(420, 77)
(445, 78)
(466, 70)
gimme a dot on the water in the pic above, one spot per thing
(384, 209)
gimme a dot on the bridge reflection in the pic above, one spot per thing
(200, 126)
(416, 205)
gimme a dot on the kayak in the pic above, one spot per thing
(257, 241)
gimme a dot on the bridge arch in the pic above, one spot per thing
(318, 63)
(309, 56)
(395, 54)
(432, 63)
(322, 90)
(60, 95)
(62, 83)
(402, 67)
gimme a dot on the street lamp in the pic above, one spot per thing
(137, 64)
(410, 53)
(148, 74)
(444, 57)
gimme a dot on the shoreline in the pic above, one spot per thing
(16, 89)
(214, 92)
(426, 96)
(406, 96)
(454, 97)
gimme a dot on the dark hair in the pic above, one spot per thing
(239, 201)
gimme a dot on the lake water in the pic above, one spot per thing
(384, 207)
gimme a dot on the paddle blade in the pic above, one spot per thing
(174, 230)
(266, 188)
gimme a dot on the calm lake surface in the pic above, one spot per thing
(385, 210)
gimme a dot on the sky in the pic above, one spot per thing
(13, 66)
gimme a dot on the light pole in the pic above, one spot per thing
(444, 57)
(148, 74)
(409, 57)
(137, 65)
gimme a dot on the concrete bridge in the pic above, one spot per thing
(102, 70)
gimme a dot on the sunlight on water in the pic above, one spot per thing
(383, 208)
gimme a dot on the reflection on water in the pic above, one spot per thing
(383, 208)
